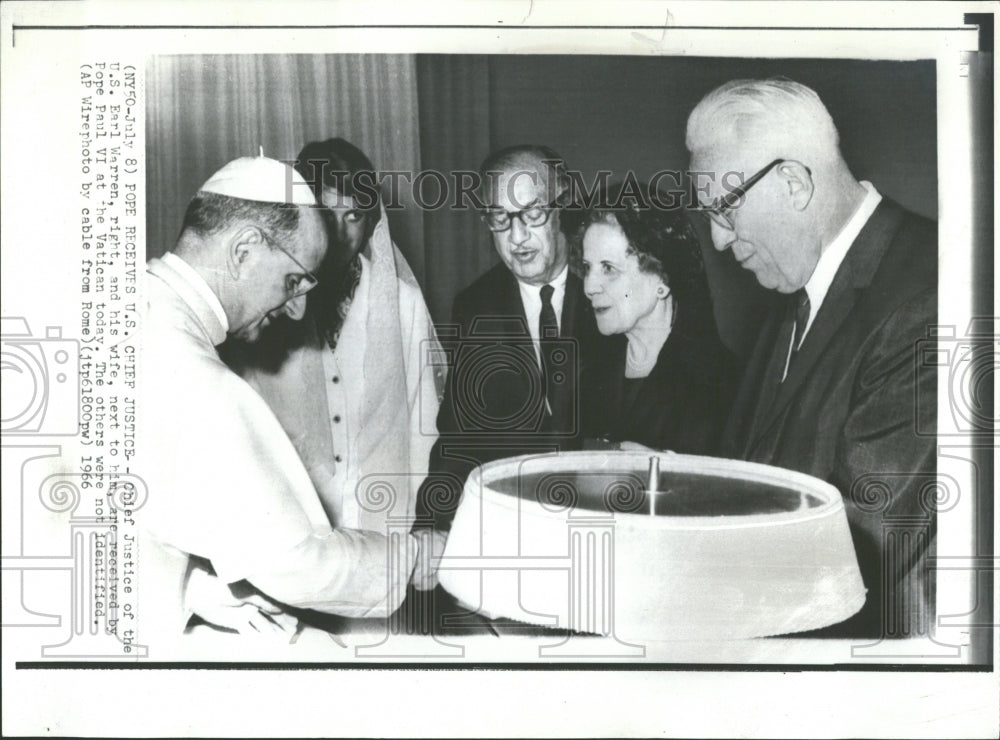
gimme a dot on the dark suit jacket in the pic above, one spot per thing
(493, 405)
(846, 412)
(682, 405)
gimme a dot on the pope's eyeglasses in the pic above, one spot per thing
(296, 285)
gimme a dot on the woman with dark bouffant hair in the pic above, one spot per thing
(667, 381)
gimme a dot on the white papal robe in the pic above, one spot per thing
(226, 484)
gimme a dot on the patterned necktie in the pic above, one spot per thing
(548, 328)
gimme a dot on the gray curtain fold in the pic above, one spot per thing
(205, 110)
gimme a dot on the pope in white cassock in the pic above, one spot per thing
(227, 490)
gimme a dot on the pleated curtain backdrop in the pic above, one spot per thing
(205, 110)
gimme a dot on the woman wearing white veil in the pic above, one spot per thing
(353, 384)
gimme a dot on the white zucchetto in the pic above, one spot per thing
(261, 179)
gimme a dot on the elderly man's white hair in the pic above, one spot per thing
(778, 117)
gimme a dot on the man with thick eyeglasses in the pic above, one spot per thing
(523, 330)
(236, 530)
(720, 210)
(831, 386)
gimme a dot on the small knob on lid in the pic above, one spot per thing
(653, 483)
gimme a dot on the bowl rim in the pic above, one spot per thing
(831, 499)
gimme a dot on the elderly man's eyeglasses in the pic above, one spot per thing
(497, 219)
(718, 211)
(295, 285)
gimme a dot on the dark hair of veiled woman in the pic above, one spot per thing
(336, 163)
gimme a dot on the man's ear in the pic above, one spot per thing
(242, 246)
(799, 183)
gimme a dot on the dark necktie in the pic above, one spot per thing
(548, 329)
(795, 315)
(801, 308)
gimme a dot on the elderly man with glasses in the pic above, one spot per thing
(523, 331)
(831, 387)
(235, 527)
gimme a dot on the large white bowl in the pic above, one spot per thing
(734, 550)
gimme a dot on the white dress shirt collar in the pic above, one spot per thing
(199, 286)
(531, 298)
(832, 257)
